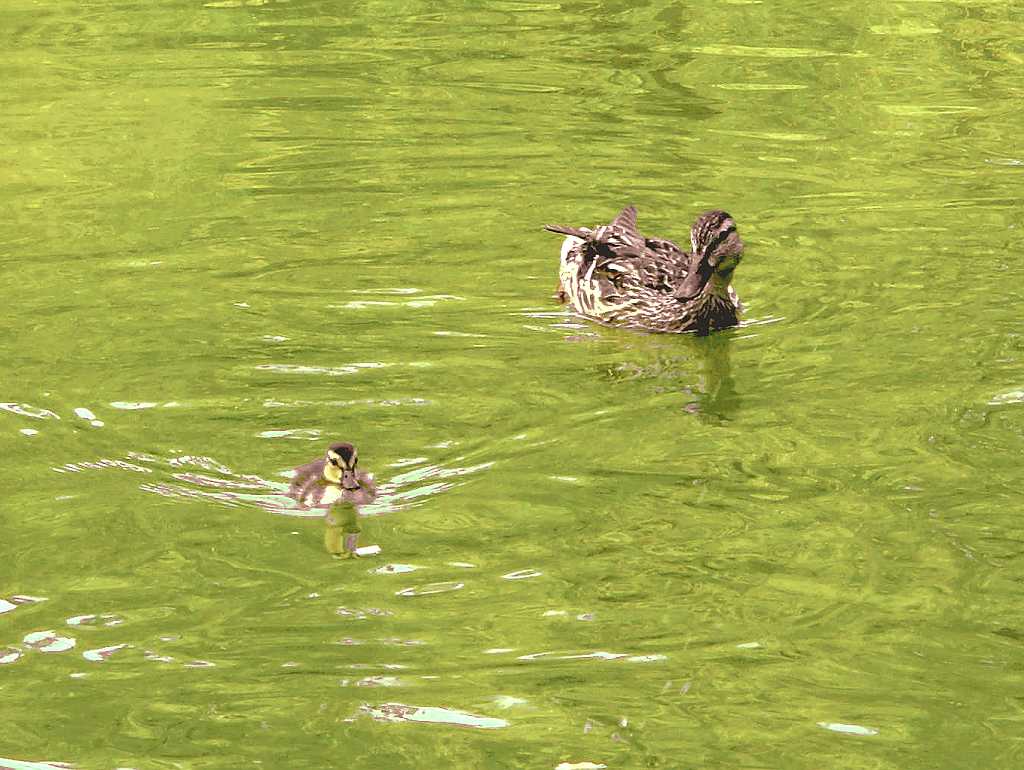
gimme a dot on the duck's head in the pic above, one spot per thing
(340, 465)
(717, 250)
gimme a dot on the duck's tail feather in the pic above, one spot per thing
(573, 231)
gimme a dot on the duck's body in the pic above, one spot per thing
(333, 484)
(615, 275)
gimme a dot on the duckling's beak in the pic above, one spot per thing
(349, 480)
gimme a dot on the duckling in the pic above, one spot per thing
(615, 275)
(334, 484)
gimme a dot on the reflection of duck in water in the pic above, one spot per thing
(614, 274)
(334, 484)
(714, 393)
(698, 368)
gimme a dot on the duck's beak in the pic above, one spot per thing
(349, 480)
(696, 279)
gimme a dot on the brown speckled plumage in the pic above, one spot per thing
(615, 275)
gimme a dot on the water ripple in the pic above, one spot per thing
(399, 712)
(840, 727)
(102, 653)
(419, 302)
(328, 371)
(429, 589)
(1010, 397)
(522, 574)
(395, 569)
(596, 655)
(27, 410)
(48, 641)
(106, 619)
(19, 764)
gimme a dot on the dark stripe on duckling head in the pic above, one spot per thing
(342, 455)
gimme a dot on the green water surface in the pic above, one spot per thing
(236, 231)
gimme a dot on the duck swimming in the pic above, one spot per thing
(615, 275)
(334, 484)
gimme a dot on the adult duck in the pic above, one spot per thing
(617, 276)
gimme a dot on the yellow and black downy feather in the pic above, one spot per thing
(335, 485)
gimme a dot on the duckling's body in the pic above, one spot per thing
(334, 484)
(615, 275)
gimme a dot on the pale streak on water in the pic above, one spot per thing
(239, 230)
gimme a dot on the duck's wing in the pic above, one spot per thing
(666, 249)
(663, 267)
(674, 260)
(620, 257)
(648, 271)
(631, 271)
(304, 487)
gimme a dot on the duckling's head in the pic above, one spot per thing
(717, 250)
(340, 465)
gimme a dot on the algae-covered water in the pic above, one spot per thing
(237, 231)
